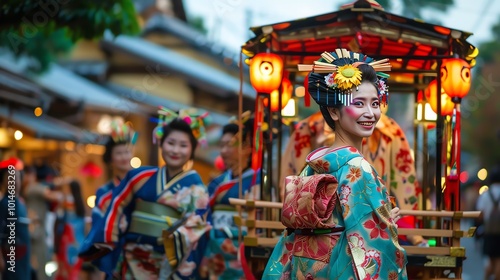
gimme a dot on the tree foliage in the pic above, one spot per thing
(44, 29)
(481, 130)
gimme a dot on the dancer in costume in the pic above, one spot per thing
(387, 149)
(170, 200)
(117, 156)
(221, 261)
(340, 222)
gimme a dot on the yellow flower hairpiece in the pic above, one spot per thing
(335, 74)
(347, 76)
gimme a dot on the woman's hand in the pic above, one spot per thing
(395, 214)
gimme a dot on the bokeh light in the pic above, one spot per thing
(464, 176)
(18, 135)
(482, 174)
(135, 162)
(38, 111)
(91, 201)
(483, 189)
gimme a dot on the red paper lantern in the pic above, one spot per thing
(447, 104)
(266, 72)
(455, 77)
(286, 94)
(91, 169)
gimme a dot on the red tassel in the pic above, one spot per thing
(259, 119)
(244, 265)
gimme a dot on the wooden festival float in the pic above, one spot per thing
(418, 52)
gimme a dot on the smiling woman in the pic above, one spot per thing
(163, 206)
(351, 229)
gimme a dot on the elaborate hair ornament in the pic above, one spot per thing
(245, 116)
(193, 117)
(122, 132)
(344, 75)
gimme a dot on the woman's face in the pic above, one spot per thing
(176, 149)
(120, 157)
(358, 120)
(229, 151)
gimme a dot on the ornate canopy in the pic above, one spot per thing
(413, 46)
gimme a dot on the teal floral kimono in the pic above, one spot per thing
(338, 223)
(221, 257)
(387, 150)
(152, 203)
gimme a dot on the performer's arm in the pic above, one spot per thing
(122, 197)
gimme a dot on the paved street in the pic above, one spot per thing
(474, 265)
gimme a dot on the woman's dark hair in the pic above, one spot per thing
(77, 198)
(368, 74)
(110, 144)
(45, 173)
(182, 126)
(247, 130)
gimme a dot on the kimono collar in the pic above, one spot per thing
(327, 160)
(116, 181)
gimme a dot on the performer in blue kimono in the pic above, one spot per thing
(170, 200)
(117, 156)
(221, 260)
(340, 222)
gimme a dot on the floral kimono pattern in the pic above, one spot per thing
(142, 254)
(345, 193)
(221, 261)
(387, 150)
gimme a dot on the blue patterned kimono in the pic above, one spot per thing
(142, 252)
(220, 260)
(103, 197)
(367, 247)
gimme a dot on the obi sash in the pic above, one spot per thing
(223, 216)
(310, 201)
(151, 218)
